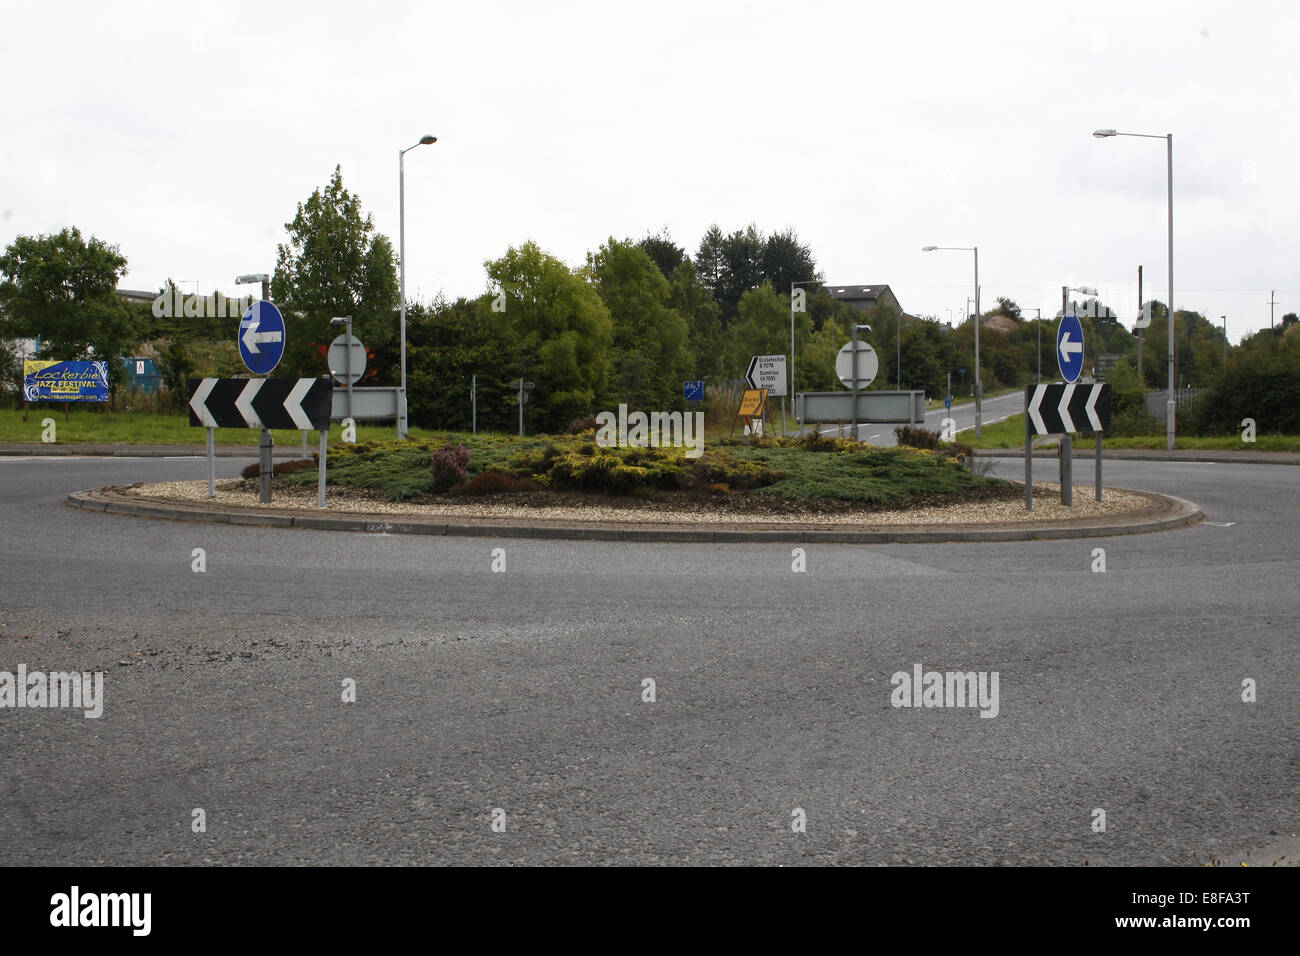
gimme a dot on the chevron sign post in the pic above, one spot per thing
(264, 403)
(302, 403)
(1063, 409)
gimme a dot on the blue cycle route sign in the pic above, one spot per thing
(693, 391)
(1069, 347)
(261, 338)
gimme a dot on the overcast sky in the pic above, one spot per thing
(188, 134)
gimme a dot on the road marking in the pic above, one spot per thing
(1221, 524)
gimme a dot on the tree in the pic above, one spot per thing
(11, 371)
(651, 356)
(708, 261)
(335, 265)
(787, 260)
(690, 299)
(742, 268)
(562, 330)
(762, 327)
(448, 346)
(667, 255)
(1007, 307)
(61, 289)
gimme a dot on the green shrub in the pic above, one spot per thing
(914, 436)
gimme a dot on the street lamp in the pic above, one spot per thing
(979, 386)
(1169, 141)
(261, 277)
(792, 285)
(401, 263)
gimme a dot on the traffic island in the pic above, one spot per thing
(1121, 512)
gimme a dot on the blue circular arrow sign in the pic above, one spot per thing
(261, 337)
(1069, 347)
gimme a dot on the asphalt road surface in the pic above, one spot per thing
(519, 697)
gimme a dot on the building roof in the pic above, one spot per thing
(856, 291)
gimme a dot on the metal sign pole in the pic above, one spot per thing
(855, 380)
(265, 466)
(1067, 471)
(212, 464)
(320, 471)
(1029, 467)
(1099, 466)
(473, 402)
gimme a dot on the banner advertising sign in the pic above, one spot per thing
(65, 381)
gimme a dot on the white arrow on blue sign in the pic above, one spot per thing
(1069, 347)
(261, 337)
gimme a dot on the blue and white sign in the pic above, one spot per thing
(261, 337)
(693, 391)
(1069, 347)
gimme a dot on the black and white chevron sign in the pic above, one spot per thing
(260, 403)
(1063, 409)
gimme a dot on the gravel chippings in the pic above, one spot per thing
(1047, 507)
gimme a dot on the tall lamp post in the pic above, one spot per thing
(401, 264)
(1169, 153)
(979, 386)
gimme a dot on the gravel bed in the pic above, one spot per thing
(1047, 507)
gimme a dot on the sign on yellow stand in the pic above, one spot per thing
(751, 406)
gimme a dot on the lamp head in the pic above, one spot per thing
(428, 140)
(929, 248)
(1103, 133)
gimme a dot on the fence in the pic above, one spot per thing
(1156, 403)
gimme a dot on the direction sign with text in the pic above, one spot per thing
(261, 338)
(767, 371)
(1069, 347)
(1064, 409)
